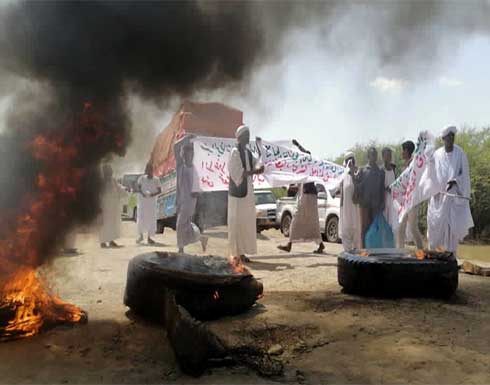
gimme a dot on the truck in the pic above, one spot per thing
(328, 213)
(265, 208)
(192, 119)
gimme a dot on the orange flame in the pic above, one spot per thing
(216, 295)
(420, 254)
(237, 266)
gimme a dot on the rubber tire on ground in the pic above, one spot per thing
(394, 276)
(286, 219)
(332, 238)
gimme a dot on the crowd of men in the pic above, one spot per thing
(364, 196)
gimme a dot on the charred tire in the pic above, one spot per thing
(286, 224)
(332, 230)
(147, 287)
(397, 276)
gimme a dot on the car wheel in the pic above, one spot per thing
(286, 224)
(332, 230)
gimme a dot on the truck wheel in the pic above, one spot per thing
(286, 224)
(160, 227)
(332, 229)
(135, 214)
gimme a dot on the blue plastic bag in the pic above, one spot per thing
(379, 234)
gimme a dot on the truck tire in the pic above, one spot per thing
(160, 227)
(332, 229)
(392, 273)
(286, 224)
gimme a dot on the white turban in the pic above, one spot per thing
(241, 130)
(349, 154)
(448, 130)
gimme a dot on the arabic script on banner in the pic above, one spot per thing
(283, 165)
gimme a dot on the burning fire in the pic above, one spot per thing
(237, 266)
(30, 307)
(216, 295)
(26, 306)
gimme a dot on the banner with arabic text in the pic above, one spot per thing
(415, 184)
(283, 165)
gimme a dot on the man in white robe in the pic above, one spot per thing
(148, 190)
(449, 217)
(242, 231)
(350, 216)
(187, 231)
(110, 229)
(389, 168)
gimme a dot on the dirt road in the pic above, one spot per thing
(319, 333)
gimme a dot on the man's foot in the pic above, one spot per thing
(151, 241)
(139, 240)
(114, 244)
(244, 259)
(103, 245)
(286, 248)
(204, 243)
(320, 249)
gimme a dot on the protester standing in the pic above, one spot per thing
(187, 231)
(411, 217)
(390, 176)
(350, 216)
(369, 185)
(110, 229)
(449, 216)
(242, 226)
(148, 190)
(305, 226)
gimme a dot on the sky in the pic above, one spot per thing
(331, 85)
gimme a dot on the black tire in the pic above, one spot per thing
(286, 224)
(149, 280)
(135, 214)
(160, 227)
(332, 230)
(391, 273)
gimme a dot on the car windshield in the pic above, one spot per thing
(264, 198)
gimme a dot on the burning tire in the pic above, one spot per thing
(207, 287)
(394, 273)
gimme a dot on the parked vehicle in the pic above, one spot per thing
(328, 213)
(130, 208)
(265, 206)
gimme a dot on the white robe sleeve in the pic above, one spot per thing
(235, 167)
(463, 176)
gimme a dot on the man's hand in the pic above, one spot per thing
(450, 185)
(260, 170)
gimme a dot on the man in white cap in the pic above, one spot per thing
(449, 217)
(350, 216)
(242, 231)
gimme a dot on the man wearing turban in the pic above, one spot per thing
(449, 217)
(242, 230)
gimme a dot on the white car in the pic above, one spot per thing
(265, 208)
(328, 214)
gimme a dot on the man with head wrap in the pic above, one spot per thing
(350, 216)
(242, 231)
(449, 216)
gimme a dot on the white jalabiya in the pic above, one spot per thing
(449, 218)
(350, 216)
(111, 212)
(147, 206)
(305, 226)
(187, 232)
(389, 210)
(242, 232)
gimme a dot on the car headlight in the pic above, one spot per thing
(261, 213)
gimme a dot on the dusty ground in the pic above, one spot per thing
(324, 335)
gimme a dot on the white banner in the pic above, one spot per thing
(415, 184)
(283, 165)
